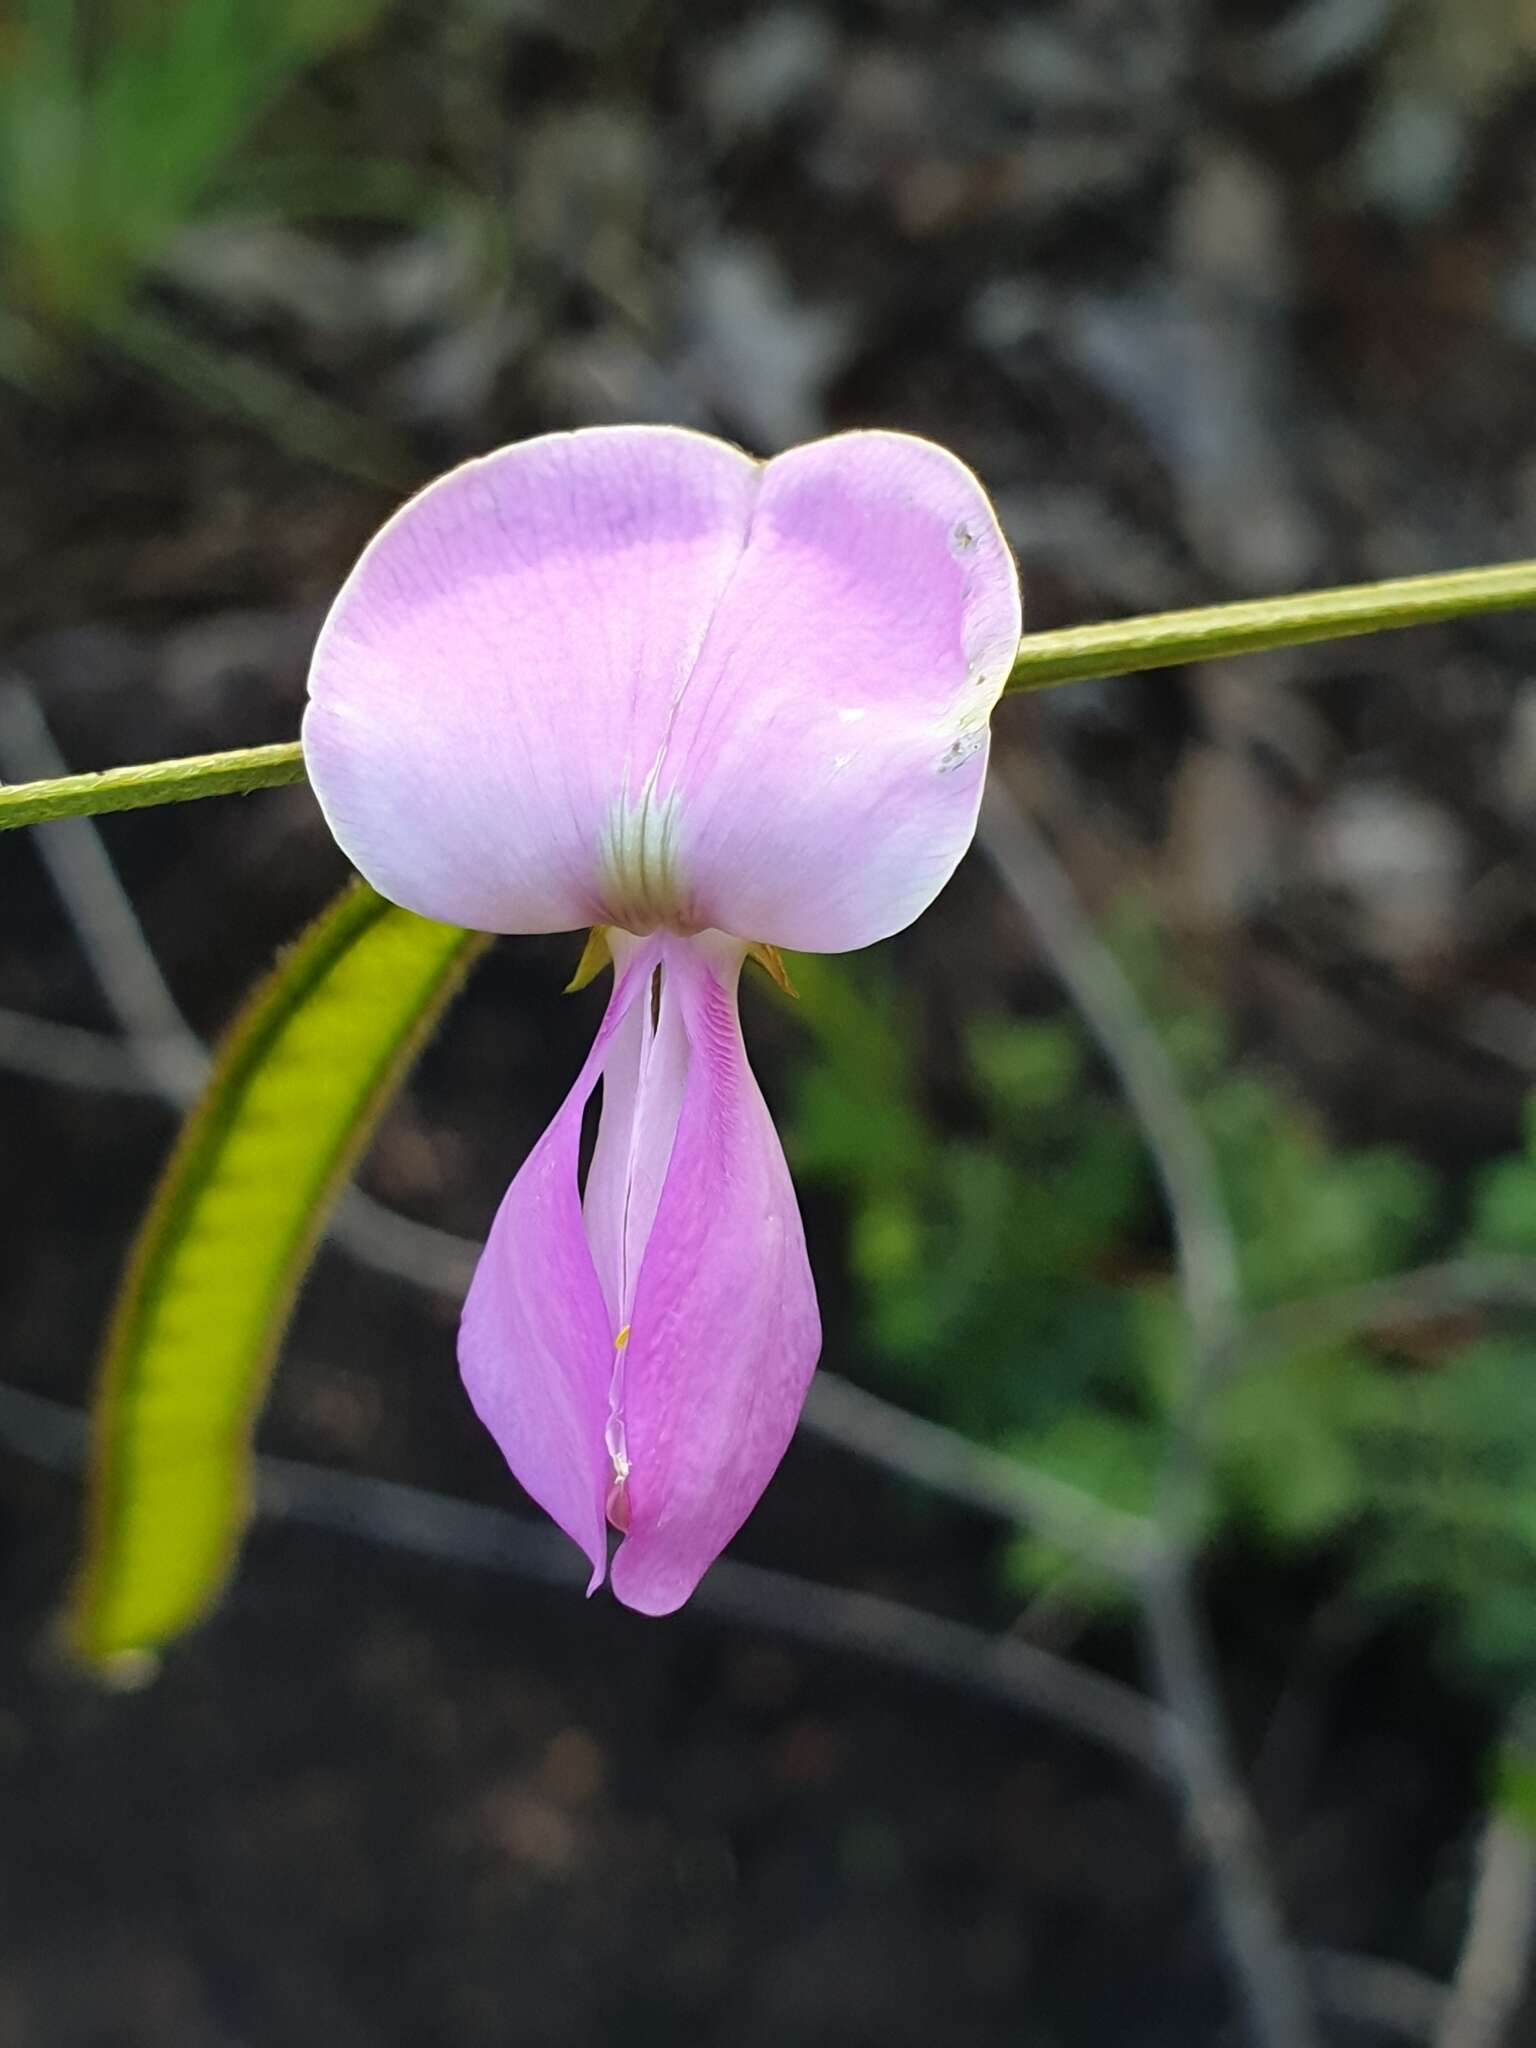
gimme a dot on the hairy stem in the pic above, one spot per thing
(1080, 654)
(156, 782)
(1073, 654)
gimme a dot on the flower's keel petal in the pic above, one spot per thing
(536, 1342)
(724, 1330)
(604, 1201)
(495, 682)
(829, 752)
(642, 1095)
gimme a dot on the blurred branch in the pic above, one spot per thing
(1203, 1244)
(1072, 654)
(105, 921)
(1495, 1958)
(1424, 1294)
(968, 1472)
(1266, 1967)
(1501, 1919)
(420, 1523)
(71, 1057)
(162, 1048)
(425, 1524)
(1389, 1996)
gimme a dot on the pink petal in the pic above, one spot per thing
(724, 1332)
(830, 750)
(536, 1339)
(625, 676)
(661, 1392)
(501, 664)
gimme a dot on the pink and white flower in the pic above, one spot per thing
(629, 677)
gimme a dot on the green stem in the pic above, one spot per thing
(1074, 654)
(1080, 654)
(158, 782)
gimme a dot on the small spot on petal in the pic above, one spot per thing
(961, 539)
(960, 750)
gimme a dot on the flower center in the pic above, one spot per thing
(642, 883)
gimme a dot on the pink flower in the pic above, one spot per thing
(630, 677)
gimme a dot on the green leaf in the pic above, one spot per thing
(1514, 1780)
(1112, 1459)
(299, 1085)
(1024, 1067)
(108, 141)
(1504, 1206)
(1283, 1451)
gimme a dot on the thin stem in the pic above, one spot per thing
(233, 773)
(1120, 647)
(1073, 654)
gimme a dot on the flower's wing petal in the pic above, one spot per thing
(828, 755)
(535, 1342)
(724, 1331)
(503, 662)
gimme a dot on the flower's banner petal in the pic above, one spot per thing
(829, 752)
(502, 663)
(628, 676)
(536, 1342)
(724, 1329)
(642, 1094)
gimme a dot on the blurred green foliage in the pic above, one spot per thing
(1014, 1282)
(135, 135)
(117, 120)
